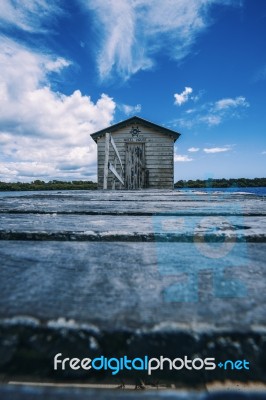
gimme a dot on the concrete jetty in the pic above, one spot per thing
(114, 273)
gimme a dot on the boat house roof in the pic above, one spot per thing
(135, 120)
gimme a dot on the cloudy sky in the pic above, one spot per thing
(71, 67)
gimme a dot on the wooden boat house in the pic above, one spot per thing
(135, 154)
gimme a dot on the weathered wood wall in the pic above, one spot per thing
(159, 149)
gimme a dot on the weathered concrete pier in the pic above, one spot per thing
(133, 273)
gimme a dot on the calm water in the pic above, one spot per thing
(34, 192)
(259, 191)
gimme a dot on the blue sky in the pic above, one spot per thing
(69, 68)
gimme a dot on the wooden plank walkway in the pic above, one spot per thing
(14, 392)
(134, 273)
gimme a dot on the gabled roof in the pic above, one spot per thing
(135, 120)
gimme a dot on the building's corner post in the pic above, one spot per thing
(173, 166)
(106, 160)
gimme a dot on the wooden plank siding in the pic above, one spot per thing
(159, 156)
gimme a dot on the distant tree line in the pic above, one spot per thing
(89, 185)
(221, 183)
(51, 185)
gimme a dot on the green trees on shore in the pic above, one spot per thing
(89, 185)
(221, 183)
(51, 185)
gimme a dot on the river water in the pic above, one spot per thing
(259, 191)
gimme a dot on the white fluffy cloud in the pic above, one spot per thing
(183, 97)
(42, 132)
(132, 32)
(182, 157)
(212, 150)
(29, 15)
(224, 109)
(130, 110)
(211, 119)
(227, 103)
(193, 149)
(214, 113)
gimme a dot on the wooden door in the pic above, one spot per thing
(135, 166)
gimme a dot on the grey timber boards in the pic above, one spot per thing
(15, 392)
(136, 203)
(110, 273)
(31, 272)
(128, 228)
